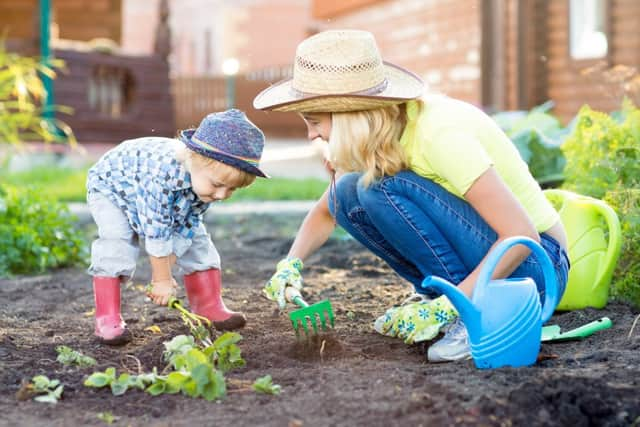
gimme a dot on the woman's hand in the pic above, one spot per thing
(162, 290)
(417, 321)
(287, 274)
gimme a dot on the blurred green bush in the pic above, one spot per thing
(37, 233)
(537, 135)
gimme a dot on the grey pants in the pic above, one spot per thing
(115, 252)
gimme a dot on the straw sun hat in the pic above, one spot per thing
(337, 71)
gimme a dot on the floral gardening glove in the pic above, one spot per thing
(287, 274)
(416, 322)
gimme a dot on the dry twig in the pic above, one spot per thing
(633, 326)
(138, 364)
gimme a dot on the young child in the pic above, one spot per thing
(157, 189)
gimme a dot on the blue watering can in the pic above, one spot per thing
(504, 317)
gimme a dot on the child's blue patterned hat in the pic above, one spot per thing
(230, 138)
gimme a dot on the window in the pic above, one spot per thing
(587, 29)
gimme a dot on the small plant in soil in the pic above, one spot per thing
(69, 356)
(107, 417)
(266, 386)
(41, 389)
(194, 371)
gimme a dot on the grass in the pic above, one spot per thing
(68, 185)
(281, 189)
(64, 184)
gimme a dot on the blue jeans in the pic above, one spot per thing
(421, 229)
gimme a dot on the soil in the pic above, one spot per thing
(348, 376)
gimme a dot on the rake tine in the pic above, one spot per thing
(315, 314)
(296, 328)
(322, 321)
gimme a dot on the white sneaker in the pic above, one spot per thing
(453, 346)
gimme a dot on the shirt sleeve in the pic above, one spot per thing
(458, 157)
(153, 203)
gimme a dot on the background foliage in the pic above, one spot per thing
(537, 135)
(603, 161)
(22, 94)
(36, 233)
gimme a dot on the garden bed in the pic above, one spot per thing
(351, 376)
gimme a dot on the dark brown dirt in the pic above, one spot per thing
(351, 376)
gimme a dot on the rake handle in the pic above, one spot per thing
(293, 295)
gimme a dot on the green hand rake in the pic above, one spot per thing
(319, 311)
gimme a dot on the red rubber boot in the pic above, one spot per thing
(110, 328)
(204, 291)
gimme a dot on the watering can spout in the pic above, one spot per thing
(469, 314)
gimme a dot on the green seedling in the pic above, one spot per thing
(50, 391)
(68, 356)
(107, 417)
(266, 386)
(224, 352)
(178, 345)
(120, 384)
(196, 372)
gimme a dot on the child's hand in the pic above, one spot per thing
(162, 290)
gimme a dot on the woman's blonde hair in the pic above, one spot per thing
(231, 176)
(369, 142)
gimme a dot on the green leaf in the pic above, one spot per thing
(47, 398)
(190, 388)
(57, 393)
(118, 388)
(227, 339)
(193, 358)
(101, 379)
(40, 383)
(200, 375)
(216, 387)
(156, 388)
(175, 381)
(266, 386)
(179, 345)
(68, 356)
(107, 417)
(226, 354)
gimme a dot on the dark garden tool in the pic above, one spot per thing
(308, 313)
(552, 332)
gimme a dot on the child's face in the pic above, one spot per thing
(210, 184)
(318, 125)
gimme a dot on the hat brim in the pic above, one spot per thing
(185, 136)
(402, 86)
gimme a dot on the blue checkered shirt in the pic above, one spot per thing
(153, 189)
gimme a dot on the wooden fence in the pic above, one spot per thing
(195, 97)
(115, 97)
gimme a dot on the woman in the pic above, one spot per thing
(430, 184)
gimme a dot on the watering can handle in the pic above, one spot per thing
(551, 292)
(614, 238)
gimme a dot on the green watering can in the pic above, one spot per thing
(593, 249)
